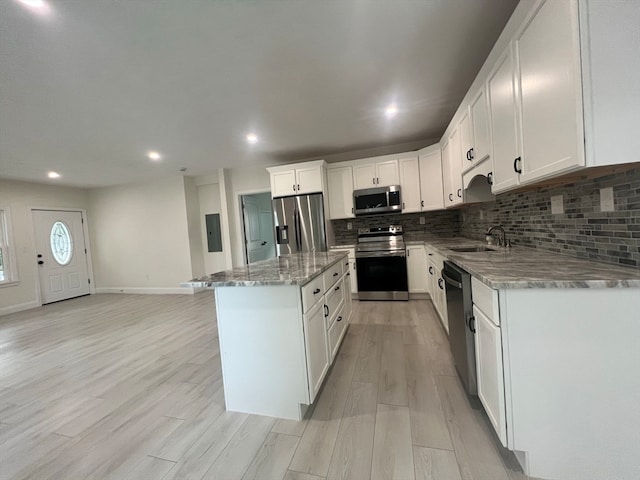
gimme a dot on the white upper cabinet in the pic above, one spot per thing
(340, 191)
(548, 53)
(372, 174)
(504, 123)
(410, 183)
(480, 126)
(297, 179)
(452, 171)
(431, 178)
(465, 130)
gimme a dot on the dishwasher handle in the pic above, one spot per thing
(451, 281)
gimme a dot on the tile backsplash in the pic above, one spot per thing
(583, 230)
(444, 223)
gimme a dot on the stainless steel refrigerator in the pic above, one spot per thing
(299, 223)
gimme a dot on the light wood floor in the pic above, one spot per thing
(130, 387)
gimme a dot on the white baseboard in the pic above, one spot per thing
(147, 290)
(18, 308)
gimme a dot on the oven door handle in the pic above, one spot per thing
(451, 281)
(380, 254)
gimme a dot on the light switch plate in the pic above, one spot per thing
(422, 220)
(557, 204)
(606, 200)
(349, 226)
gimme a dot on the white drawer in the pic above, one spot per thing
(486, 299)
(312, 292)
(335, 334)
(333, 274)
(432, 254)
(334, 300)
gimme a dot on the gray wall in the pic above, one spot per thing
(582, 231)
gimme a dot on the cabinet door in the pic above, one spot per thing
(431, 282)
(315, 337)
(480, 127)
(548, 53)
(504, 124)
(340, 192)
(452, 170)
(417, 271)
(353, 277)
(431, 181)
(410, 184)
(364, 176)
(489, 371)
(387, 173)
(309, 180)
(466, 141)
(283, 183)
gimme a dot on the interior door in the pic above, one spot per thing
(61, 255)
(258, 226)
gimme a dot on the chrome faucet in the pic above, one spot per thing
(502, 238)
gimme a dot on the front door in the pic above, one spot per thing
(61, 255)
(258, 226)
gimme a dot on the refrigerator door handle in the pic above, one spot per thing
(296, 226)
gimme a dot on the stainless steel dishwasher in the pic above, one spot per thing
(461, 324)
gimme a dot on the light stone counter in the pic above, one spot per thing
(297, 269)
(521, 267)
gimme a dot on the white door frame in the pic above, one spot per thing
(87, 243)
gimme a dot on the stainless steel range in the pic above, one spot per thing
(381, 264)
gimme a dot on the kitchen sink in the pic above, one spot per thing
(472, 249)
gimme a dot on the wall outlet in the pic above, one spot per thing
(422, 221)
(606, 200)
(349, 225)
(557, 204)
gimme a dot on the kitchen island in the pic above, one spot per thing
(280, 324)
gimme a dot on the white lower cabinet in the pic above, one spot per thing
(489, 370)
(436, 284)
(417, 269)
(315, 339)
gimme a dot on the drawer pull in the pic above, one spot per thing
(349, 274)
(335, 274)
(337, 288)
(338, 319)
(316, 291)
(431, 270)
(326, 311)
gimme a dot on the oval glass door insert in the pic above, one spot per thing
(61, 243)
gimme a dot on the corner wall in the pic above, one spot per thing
(21, 197)
(141, 237)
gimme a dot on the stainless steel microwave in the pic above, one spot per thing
(377, 200)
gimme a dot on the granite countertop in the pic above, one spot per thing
(296, 269)
(522, 267)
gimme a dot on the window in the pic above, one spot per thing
(61, 243)
(8, 271)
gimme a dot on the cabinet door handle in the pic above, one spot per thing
(373, 180)
(339, 319)
(408, 252)
(516, 165)
(472, 324)
(403, 205)
(430, 270)
(471, 154)
(298, 187)
(326, 311)
(451, 197)
(459, 193)
(490, 178)
(349, 274)
(294, 187)
(351, 209)
(316, 291)
(335, 274)
(337, 288)
(354, 265)
(440, 284)
(377, 180)
(422, 203)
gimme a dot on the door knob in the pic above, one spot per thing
(40, 262)
(263, 243)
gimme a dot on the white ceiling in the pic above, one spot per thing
(89, 87)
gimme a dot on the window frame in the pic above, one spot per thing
(10, 264)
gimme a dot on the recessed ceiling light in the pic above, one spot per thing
(252, 138)
(37, 5)
(154, 156)
(53, 175)
(391, 111)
